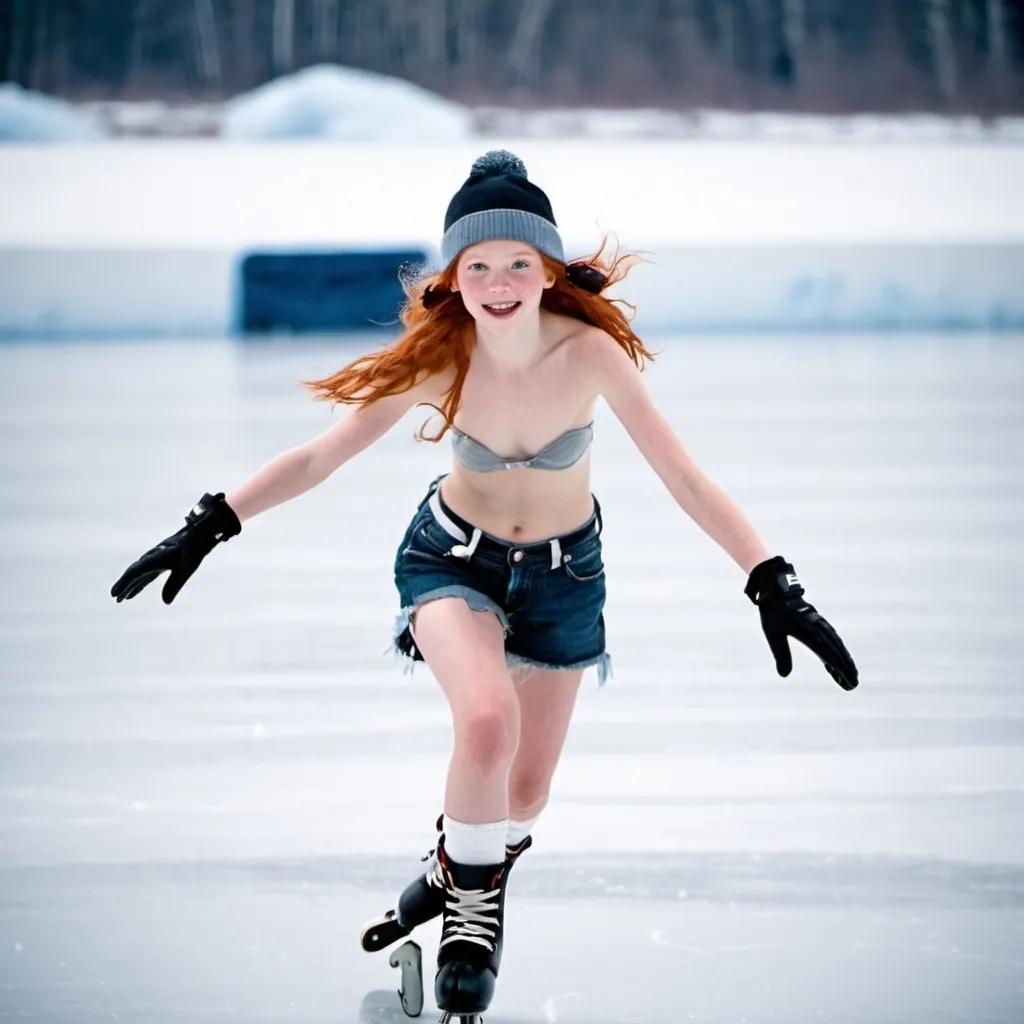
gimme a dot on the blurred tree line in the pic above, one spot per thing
(810, 55)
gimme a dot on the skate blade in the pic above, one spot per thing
(381, 932)
(461, 1018)
(409, 957)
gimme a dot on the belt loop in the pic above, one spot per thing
(556, 553)
(434, 485)
(452, 529)
(597, 513)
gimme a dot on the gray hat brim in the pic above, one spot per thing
(489, 224)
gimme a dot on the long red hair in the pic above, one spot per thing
(439, 334)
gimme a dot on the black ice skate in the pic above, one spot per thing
(422, 900)
(469, 953)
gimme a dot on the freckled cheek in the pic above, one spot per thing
(531, 294)
(475, 293)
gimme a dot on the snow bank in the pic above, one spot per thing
(156, 119)
(737, 126)
(330, 102)
(650, 193)
(32, 117)
(148, 238)
(342, 104)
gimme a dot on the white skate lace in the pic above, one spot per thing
(473, 917)
(434, 875)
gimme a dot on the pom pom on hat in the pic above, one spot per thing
(498, 161)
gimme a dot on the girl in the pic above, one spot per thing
(500, 572)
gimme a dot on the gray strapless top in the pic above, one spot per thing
(562, 453)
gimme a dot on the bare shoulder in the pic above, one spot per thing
(581, 342)
(600, 359)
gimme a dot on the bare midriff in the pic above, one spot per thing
(522, 505)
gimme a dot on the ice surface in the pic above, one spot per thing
(201, 805)
(27, 116)
(342, 104)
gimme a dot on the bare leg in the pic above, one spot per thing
(546, 701)
(465, 651)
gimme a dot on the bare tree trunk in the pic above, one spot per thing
(20, 20)
(995, 16)
(399, 39)
(40, 48)
(794, 25)
(762, 17)
(365, 37)
(243, 42)
(137, 41)
(468, 36)
(432, 31)
(283, 46)
(209, 44)
(725, 26)
(940, 40)
(524, 50)
(325, 40)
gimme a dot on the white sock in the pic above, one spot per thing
(475, 844)
(519, 830)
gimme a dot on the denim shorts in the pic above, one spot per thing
(548, 595)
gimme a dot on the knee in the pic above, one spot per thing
(528, 791)
(488, 733)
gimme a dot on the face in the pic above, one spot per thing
(501, 282)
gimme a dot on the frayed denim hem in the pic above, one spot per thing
(403, 645)
(602, 661)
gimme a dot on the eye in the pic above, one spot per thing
(520, 265)
(476, 265)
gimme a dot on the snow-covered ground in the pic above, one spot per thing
(27, 116)
(343, 105)
(147, 238)
(328, 101)
(765, 222)
(200, 805)
(206, 195)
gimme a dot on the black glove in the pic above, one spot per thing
(774, 587)
(210, 522)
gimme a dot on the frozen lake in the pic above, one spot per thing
(201, 805)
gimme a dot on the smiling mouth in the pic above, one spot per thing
(502, 309)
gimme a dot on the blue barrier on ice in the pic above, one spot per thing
(321, 291)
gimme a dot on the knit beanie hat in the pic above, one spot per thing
(497, 200)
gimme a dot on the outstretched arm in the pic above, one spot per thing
(620, 383)
(772, 583)
(216, 518)
(299, 469)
